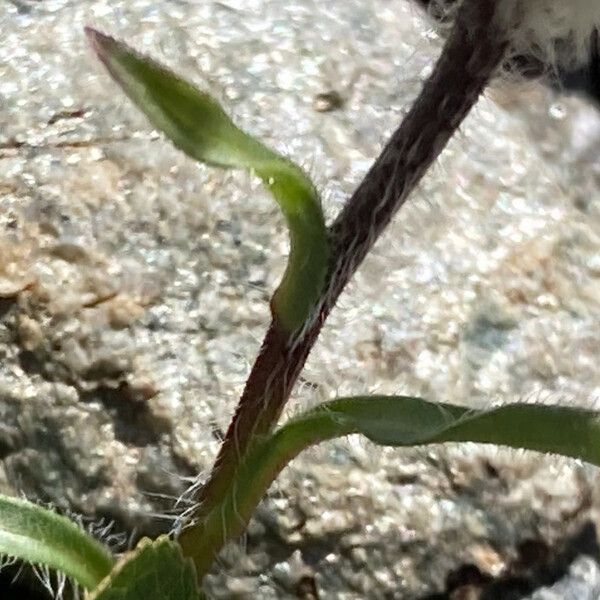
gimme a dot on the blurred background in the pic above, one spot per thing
(134, 287)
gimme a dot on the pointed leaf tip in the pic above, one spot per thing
(98, 41)
(199, 126)
(92, 33)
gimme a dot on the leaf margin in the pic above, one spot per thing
(39, 535)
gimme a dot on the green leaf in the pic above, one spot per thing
(407, 421)
(196, 124)
(155, 570)
(40, 536)
(390, 421)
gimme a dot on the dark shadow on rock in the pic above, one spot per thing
(537, 565)
(31, 364)
(5, 305)
(134, 423)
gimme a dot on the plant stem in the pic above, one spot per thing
(475, 48)
(253, 477)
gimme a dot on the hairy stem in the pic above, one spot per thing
(474, 50)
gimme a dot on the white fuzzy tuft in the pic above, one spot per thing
(557, 32)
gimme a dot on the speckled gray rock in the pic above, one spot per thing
(134, 288)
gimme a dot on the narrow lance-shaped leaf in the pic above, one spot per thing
(40, 536)
(392, 421)
(404, 421)
(198, 125)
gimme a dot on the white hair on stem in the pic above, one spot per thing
(558, 33)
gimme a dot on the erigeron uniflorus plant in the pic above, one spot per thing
(484, 37)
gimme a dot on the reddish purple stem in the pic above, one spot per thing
(470, 57)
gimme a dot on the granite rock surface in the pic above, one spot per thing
(134, 287)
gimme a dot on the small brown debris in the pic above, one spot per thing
(327, 101)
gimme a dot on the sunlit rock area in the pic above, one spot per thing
(134, 288)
